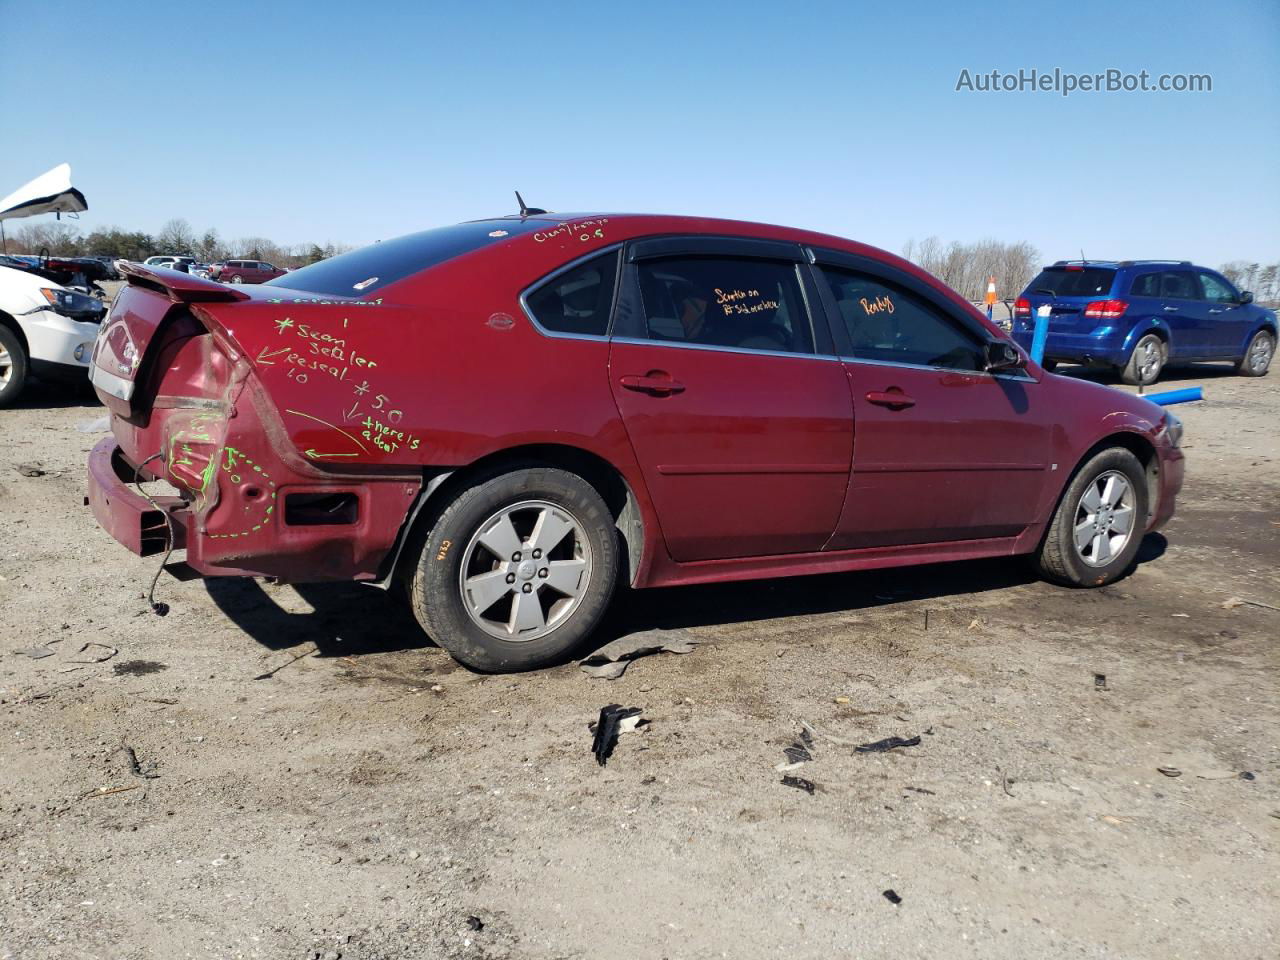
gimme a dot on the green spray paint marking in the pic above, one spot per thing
(228, 461)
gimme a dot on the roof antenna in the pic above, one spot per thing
(526, 211)
(1082, 259)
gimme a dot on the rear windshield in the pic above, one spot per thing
(363, 271)
(1073, 281)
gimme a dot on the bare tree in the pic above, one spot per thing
(176, 237)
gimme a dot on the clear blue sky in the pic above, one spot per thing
(351, 121)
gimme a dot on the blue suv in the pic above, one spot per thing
(1138, 315)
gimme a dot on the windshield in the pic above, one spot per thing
(364, 271)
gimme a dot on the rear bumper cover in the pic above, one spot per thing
(1077, 347)
(123, 512)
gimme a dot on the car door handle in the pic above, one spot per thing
(655, 382)
(893, 398)
(1217, 310)
(1170, 309)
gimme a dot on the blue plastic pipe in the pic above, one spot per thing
(1038, 337)
(1175, 396)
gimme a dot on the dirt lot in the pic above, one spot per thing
(369, 797)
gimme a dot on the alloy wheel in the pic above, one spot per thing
(1104, 519)
(1259, 354)
(526, 570)
(6, 367)
(1150, 358)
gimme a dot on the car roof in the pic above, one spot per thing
(1117, 264)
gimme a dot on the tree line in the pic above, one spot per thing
(965, 268)
(62, 238)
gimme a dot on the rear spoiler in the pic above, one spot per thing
(180, 287)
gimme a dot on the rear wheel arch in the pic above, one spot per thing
(442, 487)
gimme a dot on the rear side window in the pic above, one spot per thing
(1073, 281)
(1179, 285)
(361, 272)
(579, 300)
(892, 325)
(725, 302)
(1147, 285)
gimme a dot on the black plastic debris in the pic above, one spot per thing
(798, 753)
(1246, 775)
(610, 724)
(1100, 681)
(887, 744)
(475, 923)
(612, 660)
(892, 897)
(800, 783)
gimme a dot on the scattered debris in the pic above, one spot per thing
(1100, 681)
(1169, 771)
(168, 701)
(614, 720)
(36, 653)
(1232, 602)
(841, 700)
(31, 469)
(887, 744)
(1004, 782)
(814, 731)
(892, 897)
(134, 766)
(798, 753)
(138, 668)
(475, 923)
(1246, 775)
(921, 790)
(1117, 820)
(106, 792)
(274, 670)
(611, 660)
(1226, 775)
(800, 783)
(94, 658)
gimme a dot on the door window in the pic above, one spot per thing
(887, 323)
(577, 301)
(725, 302)
(1178, 285)
(1215, 289)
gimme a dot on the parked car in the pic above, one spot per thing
(45, 329)
(167, 260)
(505, 419)
(244, 271)
(1139, 315)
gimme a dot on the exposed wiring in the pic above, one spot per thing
(159, 608)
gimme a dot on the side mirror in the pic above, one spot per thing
(1246, 297)
(1002, 355)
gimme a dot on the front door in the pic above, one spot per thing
(944, 451)
(744, 434)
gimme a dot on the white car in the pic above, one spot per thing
(45, 329)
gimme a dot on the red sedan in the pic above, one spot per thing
(511, 417)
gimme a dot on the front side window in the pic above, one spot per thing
(729, 302)
(887, 323)
(577, 301)
(1215, 289)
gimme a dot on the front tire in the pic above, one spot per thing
(1257, 356)
(13, 366)
(237, 279)
(1145, 363)
(517, 571)
(1099, 524)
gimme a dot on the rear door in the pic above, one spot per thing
(738, 413)
(944, 450)
(1186, 314)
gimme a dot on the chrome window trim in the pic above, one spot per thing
(1021, 378)
(565, 268)
(644, 342)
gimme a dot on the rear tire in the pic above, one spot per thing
(1257, 356)
(1098, 527)
(518, 570)
(237, 279)
(1146, 362)
(13, 366)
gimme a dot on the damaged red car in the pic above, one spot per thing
(511, 418)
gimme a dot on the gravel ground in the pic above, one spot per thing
(370, 799)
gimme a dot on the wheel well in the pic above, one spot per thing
(441, 486)
(12, 324)
(1140, 447)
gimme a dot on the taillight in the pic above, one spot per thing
(1105, 309)
(1022, 307)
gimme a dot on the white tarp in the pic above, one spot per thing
(50, 192)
